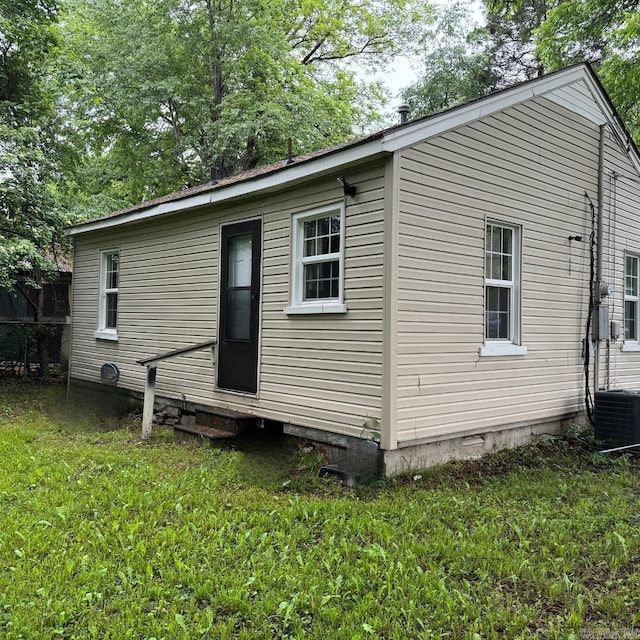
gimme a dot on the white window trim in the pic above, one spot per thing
(298, 305)
(503, 349)
(499, 348)
(102, 332)
(630, 344)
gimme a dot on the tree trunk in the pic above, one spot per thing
(218, 91)
(41, 333)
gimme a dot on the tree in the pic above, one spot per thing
(537, 36)
(455, 64)
(512, 25)
(605, 33)
(31, 225)
(168, 93)
(463, 61)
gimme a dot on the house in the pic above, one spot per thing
(435, 287)
(28, 313)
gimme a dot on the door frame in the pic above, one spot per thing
(219, 389)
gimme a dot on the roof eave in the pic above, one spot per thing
(278, 179)
(401, 138)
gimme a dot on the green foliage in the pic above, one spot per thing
(512, 25)
(31, 224)
(605, 33)
(106, 103)
(119, 102)
(455, 64)
(163, 91)
(462, 61)
(590, 30)
(104, 537)
(26, 33)
(531, 37)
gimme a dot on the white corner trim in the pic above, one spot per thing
(307, 309)
(502, 349)
(106, 335)
(630, 345)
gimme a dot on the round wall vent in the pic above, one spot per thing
(109, 372)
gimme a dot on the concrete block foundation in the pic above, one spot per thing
(414, 456)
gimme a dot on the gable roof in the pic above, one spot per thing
(576, 88)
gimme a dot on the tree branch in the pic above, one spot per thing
(15, 234)
(309, 57)
(365, 49)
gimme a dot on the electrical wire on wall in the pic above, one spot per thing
(611, 257)
(588, 397)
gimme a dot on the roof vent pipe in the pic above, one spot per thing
(404, 110)
(289, 159)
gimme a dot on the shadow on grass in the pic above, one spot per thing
(19, 396)
(266, 459)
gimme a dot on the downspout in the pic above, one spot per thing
(599, 243)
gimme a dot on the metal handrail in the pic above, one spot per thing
(176, 352)
(149, 389)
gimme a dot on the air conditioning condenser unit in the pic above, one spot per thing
(618, 417)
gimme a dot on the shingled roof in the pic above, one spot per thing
(245, 176)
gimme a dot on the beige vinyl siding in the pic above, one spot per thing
(321, 371)
(528, 166)
(621, 236)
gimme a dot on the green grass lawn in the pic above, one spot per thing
(102, 536)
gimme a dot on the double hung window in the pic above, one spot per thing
(108, 306)
(502, 290)
(631, 298)
(318, 262)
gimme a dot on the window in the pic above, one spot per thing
(631, 298)
(318, 262)
(501, 291)
(108, 310)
